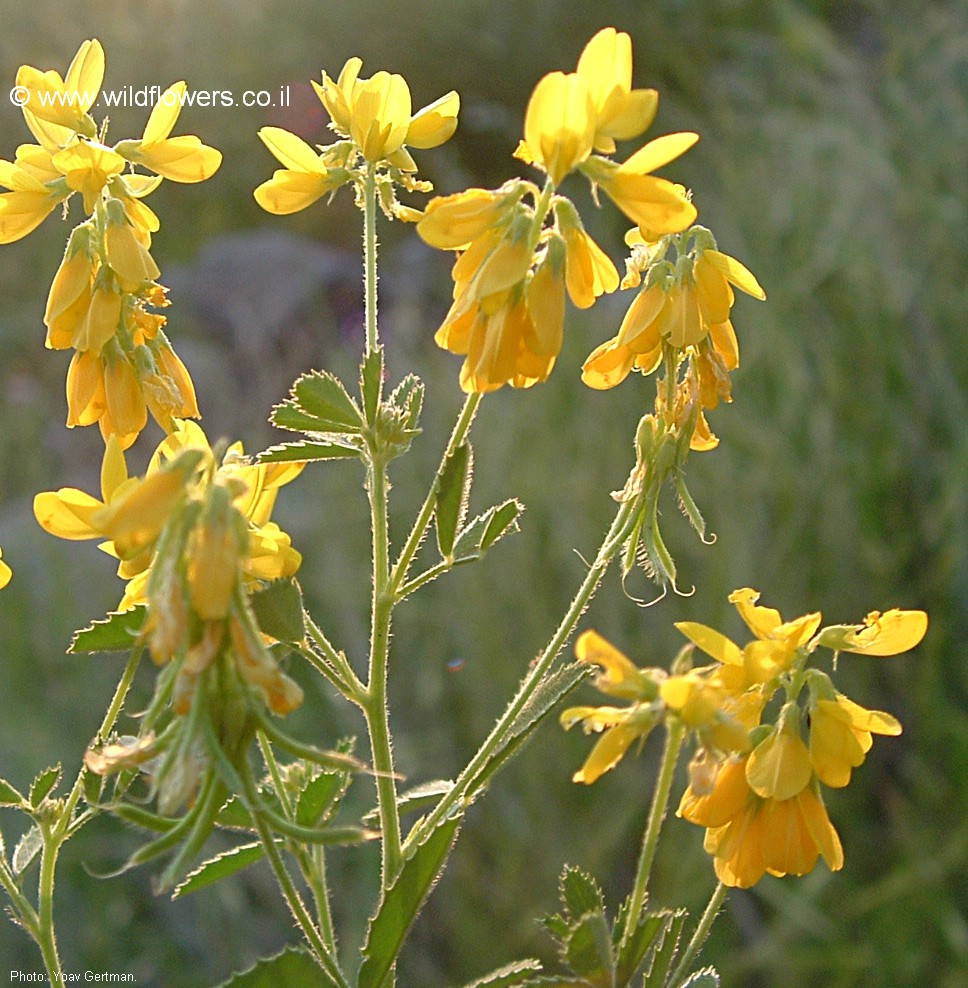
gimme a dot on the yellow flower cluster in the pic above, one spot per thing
(192, 537)
(102, 297)
(517, 258)
(373, 116)
(754, 787)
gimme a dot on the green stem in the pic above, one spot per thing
(675, 732)
(312, 864)
(54, 837)
(375, 700)
(333, 664)
(699, 937)
(459, 434)
(289, 892)
(369, 257)
(616, 536)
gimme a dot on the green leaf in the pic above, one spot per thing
(322, 395)
(510, 976)
(295, 452)
(221, 866)
(503, 520)
(118, 632)
(278, 610)
(580, 893)
(453, 491)
(481, 533)
(402, 901)
(371, 383)
(320, 797)
(408, 397)
(41, 786)
(8, 795)
(28, 847)
(293, 968)
(588, 951)
(633, 952)
(666, 948)
(553, 687)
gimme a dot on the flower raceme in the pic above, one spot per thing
(70, 157)
(754, 787)
(103, 295)
(373, 116)
(510, 279)
(132, 513)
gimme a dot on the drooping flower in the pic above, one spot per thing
(841, 735)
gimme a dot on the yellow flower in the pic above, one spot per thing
(28, 203)
(779, 767)
(589, 272)
(656, 205)
(691, 311)
(88, 166)
(621, 112)
(619, 726)
(840, 736)
(454, 222)
(306, 178)
(559, 125)
(179, 159)
(376, 114)
(64, 102)
(5, 573)
(890, 633)
(749, 836)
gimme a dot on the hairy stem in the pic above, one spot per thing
(611, 544)
(699, 937)
(56, 835)
(299, 912)
(369, 257)
(675, 732)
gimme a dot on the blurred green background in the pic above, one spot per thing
(833, 163)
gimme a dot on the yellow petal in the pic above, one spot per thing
(607, 366)
(779, 767)
(164, 114)
(712, 642)
(67, 513)
(290, 150)
(86, 73)
(606, 754)
(114, 469)
(659, 152)
(5, 574)
(559, 125)
(181, 159)
(736, 273)
(434, 124)
(620, 675)
(762, 621)
(890, 633)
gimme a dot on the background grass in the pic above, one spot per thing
(832, 162)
